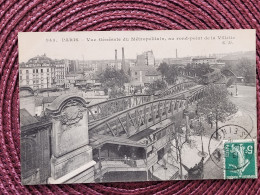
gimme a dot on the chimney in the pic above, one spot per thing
(116, 58)
(176, 54)
(123, 59)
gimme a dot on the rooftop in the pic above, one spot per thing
(152, 73)
(43, 59)
(97, 140)
(26, 118)
(141, 135)
(203, 58)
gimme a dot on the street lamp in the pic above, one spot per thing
(236, 88)
(201, 153)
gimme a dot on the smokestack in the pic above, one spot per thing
(176, 54)
(123, 59)
(115, 58)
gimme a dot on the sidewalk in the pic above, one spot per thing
(165, 174)
(190, 155)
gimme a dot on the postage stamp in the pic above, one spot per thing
(225, 134)
(239, 159)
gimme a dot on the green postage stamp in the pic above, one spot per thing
(240, 159)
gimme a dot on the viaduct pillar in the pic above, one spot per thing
(71, 159)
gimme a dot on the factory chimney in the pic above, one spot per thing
(115, 58)
(123, 59)
(176, 54)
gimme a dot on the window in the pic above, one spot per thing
(33, 71)
(21, 72)
(27, 77)
(36, 70)
(41, 70)
(135, 73)
(47, 69)
(21, 78)
(27, 71)
(27, 82)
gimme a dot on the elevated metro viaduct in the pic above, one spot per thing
(136, 139)
(57, 148)
(78, 142)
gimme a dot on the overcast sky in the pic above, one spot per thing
(189, 43)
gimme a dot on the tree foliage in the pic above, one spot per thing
(113, 82)
(111, 78)
(216, 103)
(115, 93)
(199, 69)
(244, 67)
(170, 73)
(156, 86)
(163, 68)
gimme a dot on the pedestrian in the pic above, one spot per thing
(218, 155)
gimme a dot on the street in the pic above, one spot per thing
(245, 117)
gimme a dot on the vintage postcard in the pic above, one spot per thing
(121, 106)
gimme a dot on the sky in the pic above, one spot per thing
(99, 45)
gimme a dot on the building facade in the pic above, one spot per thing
(177, 61)
(143, 75)
(61, 69)
(204, 60)
(41, 72)
(37, 73)
(145, 59)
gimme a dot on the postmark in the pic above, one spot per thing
(233, 150)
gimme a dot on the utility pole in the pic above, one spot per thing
(236, 88)
(123, 60)
(217, 123)
(201, 153)
(179, 154)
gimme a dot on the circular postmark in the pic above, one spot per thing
(231, 148)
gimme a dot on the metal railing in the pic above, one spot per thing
(101, 110)
(122, 164)
(138, 118)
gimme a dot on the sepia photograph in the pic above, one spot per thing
(123, 106)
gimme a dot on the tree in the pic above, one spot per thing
(244, 67)
(199, 69)
(216, 104)
(113, 78)
(115, 93)
(250, 75)
(172, 75)
(169, 73)
(114, 81)
(156, 86)
(176, 135)
(195, 172)
(163, 68)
